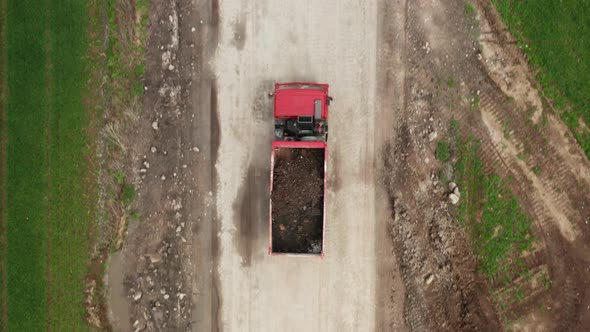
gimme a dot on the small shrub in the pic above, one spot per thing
(128, 194)
(469, 10)
(443, 151)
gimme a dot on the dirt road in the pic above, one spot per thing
(396, 259)
(261, 42)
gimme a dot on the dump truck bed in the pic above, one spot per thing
(298, 191)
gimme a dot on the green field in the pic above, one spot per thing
(555, 34)
(47, 221)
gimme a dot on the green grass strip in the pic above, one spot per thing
(29, 158)
(555, 34)
(3, 93)
(26, 166)
(69, 215)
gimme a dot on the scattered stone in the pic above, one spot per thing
(137, 296)
(178, 229)
(454, 198)
(193, 29)
(153, 149)
(452, 186)
(432, 136)
(155, 125)
(184, 166)
(196, 149)
(171, 67)
(163, 177)
(166, 296)
(142, 170)
(456, 192)
(429, 279)
(181, 296)
(146, 164)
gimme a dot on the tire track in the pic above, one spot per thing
(542, 155)
(497, 160)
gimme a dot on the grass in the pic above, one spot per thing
(498, 228)
(555, 35)
(47, 219)
(451, 83)
(506, 130)
(443, 152)
(469, 10)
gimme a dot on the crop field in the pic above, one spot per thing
(45, 220)
(555, 35)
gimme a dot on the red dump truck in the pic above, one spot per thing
(298, 169)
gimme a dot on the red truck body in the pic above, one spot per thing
(301, 115)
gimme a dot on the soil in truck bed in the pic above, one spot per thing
(298, 201)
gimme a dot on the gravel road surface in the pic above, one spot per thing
(333, 42)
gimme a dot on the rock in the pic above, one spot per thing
(456, 192)
(452, 186)
(146, 164)
(432, 136)
(171, 67)
(137, 296)
(155, 125)
(163, 177)
(142, 170)
(181, 296)
(454, 198)
(429, 279)
(153, 149)
(166, 296)
(178, 229)
(196, 149)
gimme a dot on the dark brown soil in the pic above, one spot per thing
(298, 201)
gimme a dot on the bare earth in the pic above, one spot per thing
(396, 259)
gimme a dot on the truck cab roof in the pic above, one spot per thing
(301, 99)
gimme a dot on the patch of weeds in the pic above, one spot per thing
(443, 151)
(519, 293)
(454, 125)
(451, 83)
(536, 170)
(506, 130)
(545, 281)
(469, 10)
(134, 216)
(474, 106)
(128, 194)
(119, 177)
(498, 228)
